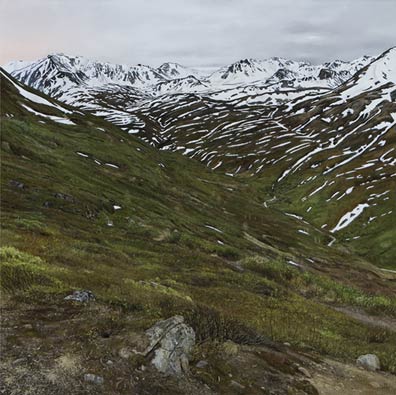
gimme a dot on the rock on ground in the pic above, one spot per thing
(369, 362)
(81, 296)
(171, 341)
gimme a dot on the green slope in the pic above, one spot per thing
(185, 240)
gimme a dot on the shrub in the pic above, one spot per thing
(228, 253)
(273, 270)
(209, 324)
(21, 271)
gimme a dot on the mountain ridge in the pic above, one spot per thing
(278, 134)
(242, 72)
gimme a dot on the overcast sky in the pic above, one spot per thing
(196, 32)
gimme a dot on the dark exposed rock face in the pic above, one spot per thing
(326, 74)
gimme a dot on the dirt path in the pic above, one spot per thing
(335, 378)
(382, 322)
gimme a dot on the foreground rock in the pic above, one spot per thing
(171, 341)
(369, 362)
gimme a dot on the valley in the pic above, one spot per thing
(257, 202)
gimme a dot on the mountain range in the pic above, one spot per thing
(56, 74)
(114, 91)
(257, 202)
(327, 130)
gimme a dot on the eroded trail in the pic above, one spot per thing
(380, 322)
(334, 378)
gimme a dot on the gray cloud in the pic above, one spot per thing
(196, 32)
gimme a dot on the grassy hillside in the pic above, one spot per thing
(152, 233)
(320, 157)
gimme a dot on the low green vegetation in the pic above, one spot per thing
(162, 235)
(20, 271)
(267, 301)
(320, 287)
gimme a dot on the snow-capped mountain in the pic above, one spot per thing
(334, 151)
(324, 132)
(288, 72)
(172, 71)
(115, 91)
(57, 74)
(277, 199)
(248, 71)
(180, 85)
(381, 73)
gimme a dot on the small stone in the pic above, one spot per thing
(287, 344)
(18, 361)
(369, 362)
(17, 184)
(81, 296)
(109, 363)
(237, 385)
(201, 364)
(28, 326)
(125, 353)
(64, 196)
(304, 371)
(93, 378)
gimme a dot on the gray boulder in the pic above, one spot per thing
(171, 342)
(81, 296)
(369, 362)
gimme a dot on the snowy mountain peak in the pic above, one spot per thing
(76, 79)
(245, 66)
(57, 73)
(174, 70)
(380, 72)
(246, 71)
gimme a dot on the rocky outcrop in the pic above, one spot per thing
(326, 74)
(171, 342)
